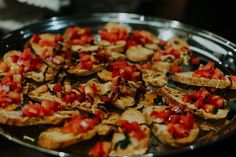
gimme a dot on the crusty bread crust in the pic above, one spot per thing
(187, 78)
(175, 96)
(15, 118)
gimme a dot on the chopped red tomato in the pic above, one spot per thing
(117, 65)
(4, 67)
(176, 69)
(209, 71)
(113, 35)
(209, 108)
(178, 130)
(77, 35)
(45, 109)
(78, 124)
(57, 87)
(132, 127)
(26, 55)
(178, 120)
(36, 38)
(102, 56)
(195, 60)
(70, 97)
(98, 150)
(14, 58)
(233, 78)
(88, 65)
(202, 97)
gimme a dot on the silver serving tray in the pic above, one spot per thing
(202, 43)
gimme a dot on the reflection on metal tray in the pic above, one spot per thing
(202, 43)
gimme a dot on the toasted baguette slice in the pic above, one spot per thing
(138, 53)
(55, 138)
(15, 118)
(187, 78)
(154, 78)
(161, 132)
(55, 63)
(135, 147)
(175, 96)
(76, 70)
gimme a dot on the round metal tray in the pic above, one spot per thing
(202, 43)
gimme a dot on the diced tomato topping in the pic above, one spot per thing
(98, 150)
(77, 35)
(86, 65)
(176, 69)
(195, 60)
(14, 58)
(36, 38)
(117, 65)
(178, 120)
(57, 38)
(3, 67)
(209, 108)
(26, 55)
(178, 130)
(45, 109)
(84, 57)
(102, 56)
(4, 102)
(47, 43)
(114, 35)
(57, 87)
(201, 97)
(70, 97)
(132, 127)
(209, 71)
(233, 78)
(79, 124)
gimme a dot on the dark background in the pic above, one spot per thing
(215, 16)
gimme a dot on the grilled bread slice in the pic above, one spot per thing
(59, 137)
(46, 51)
(16, 118)
(161, 130)
(138, 53)
(175, 96)
(163, 62)
(187, 78)
(129, 143)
